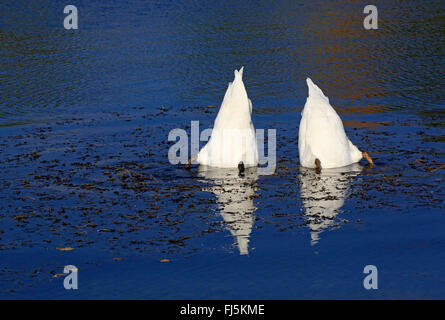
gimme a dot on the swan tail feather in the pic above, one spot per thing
(314, 90)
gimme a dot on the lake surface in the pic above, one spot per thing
(84, 121)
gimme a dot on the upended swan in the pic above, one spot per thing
(233, 141)
(322, 141)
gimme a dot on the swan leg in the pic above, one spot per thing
(241, 169)
(368, 157)
(318, 165)
(187, 165)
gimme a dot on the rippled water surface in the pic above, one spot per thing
(84, 120)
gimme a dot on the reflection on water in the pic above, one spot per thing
(323, 195)
(142, 53)
(235, 196)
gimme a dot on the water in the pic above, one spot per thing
(85, 116)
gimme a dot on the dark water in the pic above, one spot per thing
(84, 120)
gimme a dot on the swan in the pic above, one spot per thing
(322, 141)
(232, 143)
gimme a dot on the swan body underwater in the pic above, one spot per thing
(233, 141)
(322, 141)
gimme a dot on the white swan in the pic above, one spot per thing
(233, 141)
(322, 141)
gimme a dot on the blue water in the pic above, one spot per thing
(84, 120)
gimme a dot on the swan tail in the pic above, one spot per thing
(314, 90)
(239, 74)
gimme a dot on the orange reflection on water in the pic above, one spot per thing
(364, 124)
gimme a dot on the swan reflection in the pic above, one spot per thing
(235, 200)
(323, 195)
